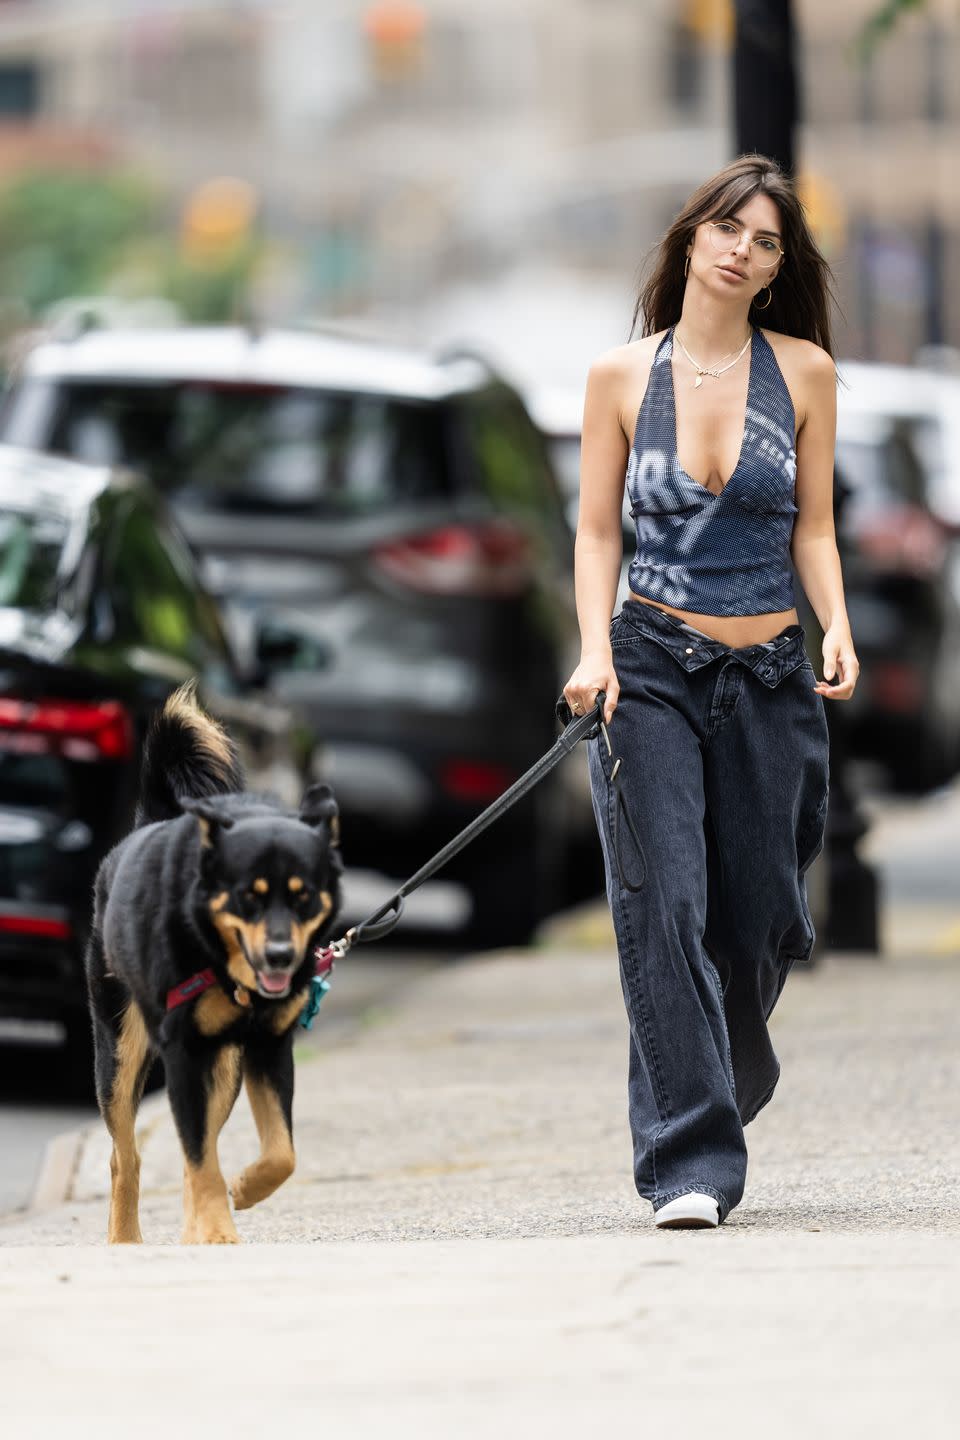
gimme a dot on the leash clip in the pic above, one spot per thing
(339, 948)
(325, 959)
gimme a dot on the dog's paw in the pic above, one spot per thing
(259, 1180)
(217, 1235)
(240, 1194)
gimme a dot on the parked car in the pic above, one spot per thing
(925, 403)
(394, 522)
(102, 615)
(902, 572)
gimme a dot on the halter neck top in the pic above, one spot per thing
(715, 554)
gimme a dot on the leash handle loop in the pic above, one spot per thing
(621, 805)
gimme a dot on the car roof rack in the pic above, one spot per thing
(448, 353)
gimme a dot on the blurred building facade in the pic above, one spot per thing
(401, 147)
(885, 136)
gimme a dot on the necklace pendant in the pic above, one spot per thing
(699, 379)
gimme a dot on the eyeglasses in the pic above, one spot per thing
(724, 235)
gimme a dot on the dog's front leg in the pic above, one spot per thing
(202, 1094)
(123, 1059)
(268, 1077)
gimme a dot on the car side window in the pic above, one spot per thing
(155, 593)
(269, 448)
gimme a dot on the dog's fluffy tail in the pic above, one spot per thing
(186, 756)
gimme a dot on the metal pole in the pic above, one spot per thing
(764, 80)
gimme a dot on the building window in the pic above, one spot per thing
(19, 89)
(686, 78)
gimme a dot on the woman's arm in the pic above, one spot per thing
(598, 551)
(814, 543)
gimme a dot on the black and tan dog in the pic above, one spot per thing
(205, 921)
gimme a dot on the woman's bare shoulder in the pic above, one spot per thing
(625, 359)
(805, 353)
(806, 360)
(622, 373)
(805, 367)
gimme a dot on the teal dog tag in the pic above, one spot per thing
(318, 988)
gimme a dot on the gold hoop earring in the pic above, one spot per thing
(686, 267)
(769, 298)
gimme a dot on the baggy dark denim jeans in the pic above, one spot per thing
(724, 772)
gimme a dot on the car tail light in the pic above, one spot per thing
(78, 730)
(47, 926)
(490, 557)
(475, 779)
(904, 539)
(897, 686)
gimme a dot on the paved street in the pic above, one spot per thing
(461, 1250)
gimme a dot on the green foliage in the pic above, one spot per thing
(881, 23)
(78, 233)
(211, 293)
(61, 233)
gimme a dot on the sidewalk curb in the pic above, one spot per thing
(63, 1154)
(61, 1157)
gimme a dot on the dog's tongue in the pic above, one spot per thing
(275, 984)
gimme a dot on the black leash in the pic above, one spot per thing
(581, 727)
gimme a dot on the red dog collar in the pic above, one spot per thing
(204, 979)
(190, 989)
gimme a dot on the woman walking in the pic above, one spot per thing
(723, 432)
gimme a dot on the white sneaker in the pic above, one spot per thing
(692, 1211)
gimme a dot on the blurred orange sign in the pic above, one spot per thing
(826, 212)
(217, 217)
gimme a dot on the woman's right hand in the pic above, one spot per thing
(595, 672)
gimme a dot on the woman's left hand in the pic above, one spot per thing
(839, 658)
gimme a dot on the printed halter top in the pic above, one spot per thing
(716, 554)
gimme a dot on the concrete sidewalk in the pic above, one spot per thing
(488, 1105)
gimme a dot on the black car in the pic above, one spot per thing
(392, 523)
(901, 566)
(102, 615)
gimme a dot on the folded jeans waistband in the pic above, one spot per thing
(769, 659)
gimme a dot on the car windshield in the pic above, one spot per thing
(255, 447)
(31, 547)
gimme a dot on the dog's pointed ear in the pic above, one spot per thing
(319, 808)
(210, 819)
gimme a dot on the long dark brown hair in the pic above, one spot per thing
(798, 296)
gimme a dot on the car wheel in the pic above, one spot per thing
(77, 1072)
(506, 911)
(584, 878)
(514, 876)
(817, 882)
(919, 768)
(76, 1058)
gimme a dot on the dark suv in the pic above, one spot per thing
(393, 522)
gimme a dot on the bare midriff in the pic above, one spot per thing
(733, 630)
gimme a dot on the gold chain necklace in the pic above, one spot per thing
(706, 370)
